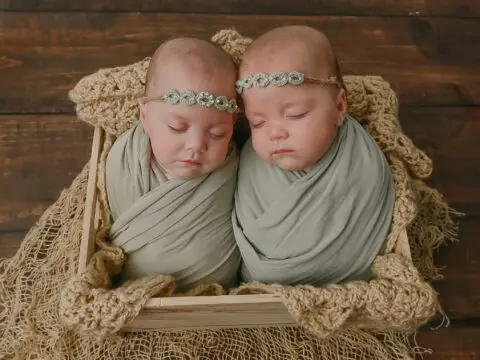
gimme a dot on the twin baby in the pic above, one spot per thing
(309, 200)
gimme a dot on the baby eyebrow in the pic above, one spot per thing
(294, 105)
(218, 126)
(179, 118)
(222, 122)
(254, 114)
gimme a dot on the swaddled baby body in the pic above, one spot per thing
(171, 178)
(315, 194)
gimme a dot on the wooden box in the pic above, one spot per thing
(177, 313)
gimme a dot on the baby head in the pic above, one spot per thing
(292, 126)
(189, 132)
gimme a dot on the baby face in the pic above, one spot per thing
(293, 126)
(187, 141)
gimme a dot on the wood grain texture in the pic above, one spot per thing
(453, 343)
(89, 227)
(445, 8)
(211, 312)
(450, 136)
(459, 292)
(39, 156)
(10, 243)
(427, 61)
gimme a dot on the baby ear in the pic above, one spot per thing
(142, 108)
(143, 115)
(341, 106)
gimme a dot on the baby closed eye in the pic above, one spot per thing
(217, 136)
(177, 129)
(257, 124)
(296, 115)
(177, 125)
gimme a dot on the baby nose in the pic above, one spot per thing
(278, 133)
(197, 143)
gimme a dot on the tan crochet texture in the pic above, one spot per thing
(45, 305)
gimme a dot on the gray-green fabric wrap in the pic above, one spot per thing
(317, 227)
(172, 227)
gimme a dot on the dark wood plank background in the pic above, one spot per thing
(429, 50)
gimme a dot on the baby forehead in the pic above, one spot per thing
(191, 73)
(195, 76)
(215, 82)
(310, 59)
(279, 97)
(308, 65)
(198, 116)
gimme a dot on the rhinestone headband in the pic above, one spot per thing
(280, 78)
(204, 99)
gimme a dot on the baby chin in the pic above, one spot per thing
(188, 172)
(288, 162)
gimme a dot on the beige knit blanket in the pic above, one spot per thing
(356, 320)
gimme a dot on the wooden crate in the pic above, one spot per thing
(177, 313)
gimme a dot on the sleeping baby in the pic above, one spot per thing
(315, 194)
(171, 178)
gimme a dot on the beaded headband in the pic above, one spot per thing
(204, 99)
(280, 78)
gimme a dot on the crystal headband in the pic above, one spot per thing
(280, 78)
(204, 99)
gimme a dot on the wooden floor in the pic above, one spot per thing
(429, 50)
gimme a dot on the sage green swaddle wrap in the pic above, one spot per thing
(317, 227)
(171, 226)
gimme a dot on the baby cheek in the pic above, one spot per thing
(254, 139)
(215, 156)
(306, 139)
(326, 136)
(223, 147)
(303, 135)
(260, 144)
(166, 145)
